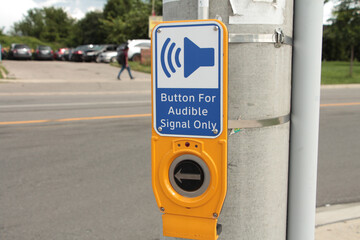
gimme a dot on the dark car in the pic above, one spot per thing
(93, 53)
(68, 54)
(43, 53)
(20, 51)
(61, 53)
(78, 53)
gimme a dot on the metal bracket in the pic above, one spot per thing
(278, 38)
(241, 124)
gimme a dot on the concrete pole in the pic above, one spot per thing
(259, 89)
(305, 118)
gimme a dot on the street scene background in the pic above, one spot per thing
(75, 142)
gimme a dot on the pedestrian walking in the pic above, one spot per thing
(123, 60)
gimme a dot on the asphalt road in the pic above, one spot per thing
(81, 177)
(339, 146)
(75, 152)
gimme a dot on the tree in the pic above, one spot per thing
(90, 28)
(347, 24)
(32, 25)
(127, 19)
(334, 47)
(47, 24)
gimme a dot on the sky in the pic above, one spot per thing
(12, 11)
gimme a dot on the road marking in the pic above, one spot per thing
(76, 119)
(125, 116)
(339, 104)
(71, 104)
(74, 93)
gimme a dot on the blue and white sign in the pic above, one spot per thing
(188, 79)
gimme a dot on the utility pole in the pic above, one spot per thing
(260, 77)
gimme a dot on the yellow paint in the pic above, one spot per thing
(187, 217)
(133, 116)
(339, 104)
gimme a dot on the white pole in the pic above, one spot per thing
(304, 119)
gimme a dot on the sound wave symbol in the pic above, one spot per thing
(177, 60)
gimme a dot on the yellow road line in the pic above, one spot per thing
(132, 116)
(77, 119)
(339, 104)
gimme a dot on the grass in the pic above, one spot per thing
(136, 66)
(332, 72)
(338, 73)
(2, 70)
(32, 42)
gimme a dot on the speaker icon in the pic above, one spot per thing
(194, 57)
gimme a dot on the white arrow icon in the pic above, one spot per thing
(186, 176)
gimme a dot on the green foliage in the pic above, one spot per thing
(158, 7)
(90, 29)
(348, 20)
(126, 19)
(47, 24)
(334, 48)
(120, 21)
(338, 73)
(2, 71)
(32, 42)
(342, 39)
(347, 23)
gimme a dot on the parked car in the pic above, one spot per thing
(60, 54)
(78, 53)
(109, 56)
(43, 53)
(68, 54)
(135, 46)
(20, 51)
(92, 54)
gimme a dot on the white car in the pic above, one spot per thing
(109, 56)
(135, 46)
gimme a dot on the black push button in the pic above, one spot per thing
(189, 175)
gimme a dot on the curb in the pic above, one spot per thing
(337, 213)
(335, 86)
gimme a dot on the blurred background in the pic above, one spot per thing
(75, 154)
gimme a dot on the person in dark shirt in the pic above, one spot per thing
(124, 63)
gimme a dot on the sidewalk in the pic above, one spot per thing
(338, 222)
